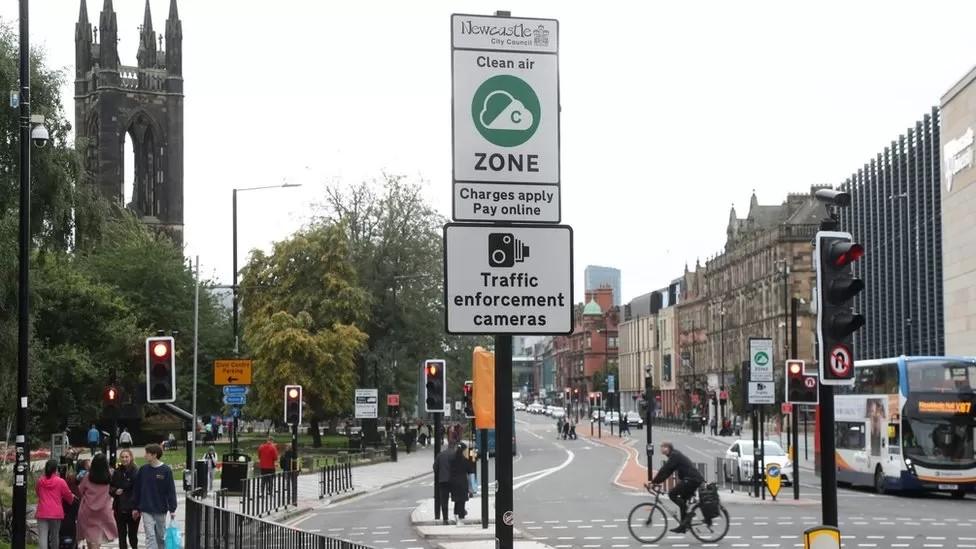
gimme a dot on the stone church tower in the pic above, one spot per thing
(142, 103)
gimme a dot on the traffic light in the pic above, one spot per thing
(800, 388)
(483, 398)
(160, 369)
(293, 404)
(837, 286)
(469, 399)
(110, 397)
(435, 390)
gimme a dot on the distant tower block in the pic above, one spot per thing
(142, 104)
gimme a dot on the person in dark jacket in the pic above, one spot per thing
(689, 479)
(459, 481)
(442, 470)
(122, 504)
(154, 494)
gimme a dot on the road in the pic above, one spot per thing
(565, 497)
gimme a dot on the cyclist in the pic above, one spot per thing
(689, 479)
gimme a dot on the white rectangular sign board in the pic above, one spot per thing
(505, 119)
(760, 359)
(367, 403)
(761, 392)
(508, 279)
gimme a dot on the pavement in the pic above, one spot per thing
(578, 493)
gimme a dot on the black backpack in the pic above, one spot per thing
(708, 500)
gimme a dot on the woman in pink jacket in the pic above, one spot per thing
(96, 521)
(52, 495)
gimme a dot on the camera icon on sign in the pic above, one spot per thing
(504, 250)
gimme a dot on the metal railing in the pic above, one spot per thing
(334, 479)
(210, 527)
(728, 474)
(267, 494)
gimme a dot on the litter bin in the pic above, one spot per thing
(355, 441)
(233, 471)
(201, 475)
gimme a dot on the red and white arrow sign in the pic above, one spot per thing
(841, 361)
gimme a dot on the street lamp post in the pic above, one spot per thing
(649, 419)
(720, 409)
(19, 534)
(234, 246)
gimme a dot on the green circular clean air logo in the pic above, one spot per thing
(762, 358)
(506, 110)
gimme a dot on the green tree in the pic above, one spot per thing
(394, 240)
(303, 310)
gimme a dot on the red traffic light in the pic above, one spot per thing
(844, 253)
(432, 369)
(160, 349)
(795, 368)
(293, 393)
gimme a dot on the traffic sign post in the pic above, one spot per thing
(234, 390)
(761, 392)
(235, 400)
(760, 359)
(232, 371)
(505, 119)
(366, 404)
(508, 279)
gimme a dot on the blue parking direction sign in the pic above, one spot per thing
(235, 390)
(235, 399)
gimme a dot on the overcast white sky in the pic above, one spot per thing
(671, 111)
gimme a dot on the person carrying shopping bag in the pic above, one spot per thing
(154, 494)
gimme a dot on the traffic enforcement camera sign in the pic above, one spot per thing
(505, 119)
(508, 279)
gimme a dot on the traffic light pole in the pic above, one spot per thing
(294, 464)
(649, 421)
(794, 416)
(828, 468)
(483, 434)
(504, 512)
(438, 436)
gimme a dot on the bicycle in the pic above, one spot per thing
(648, 521)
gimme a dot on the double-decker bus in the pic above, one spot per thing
(908, 423)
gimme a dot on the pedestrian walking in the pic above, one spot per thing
(125, 439)
(82, 470)
(472, 464)
(154, 494)
(459, 482)
(572, 430)
(624, 426)
(737, 425)
(123, 479)
(210, 458)
(559, 427)
(52, 495)
(442, 469)
(713, 424)
(565, 430)
(96, 522)
(267, 457)
(94, 437)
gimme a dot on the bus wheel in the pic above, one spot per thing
(958, 494)
(879, 481)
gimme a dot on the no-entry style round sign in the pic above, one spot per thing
(841, 361)
(810, 382)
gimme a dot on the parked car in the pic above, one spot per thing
(557, 412)
(611, 418)
(634, 419)
(519, 405)
(739, 461)
(535, 408)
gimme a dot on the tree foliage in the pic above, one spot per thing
(394, 240)
(303, 308)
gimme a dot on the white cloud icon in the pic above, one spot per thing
(512, 116)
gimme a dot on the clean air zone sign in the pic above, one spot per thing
(505, 119)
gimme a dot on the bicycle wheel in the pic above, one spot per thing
(709, 531)
(647, 522)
